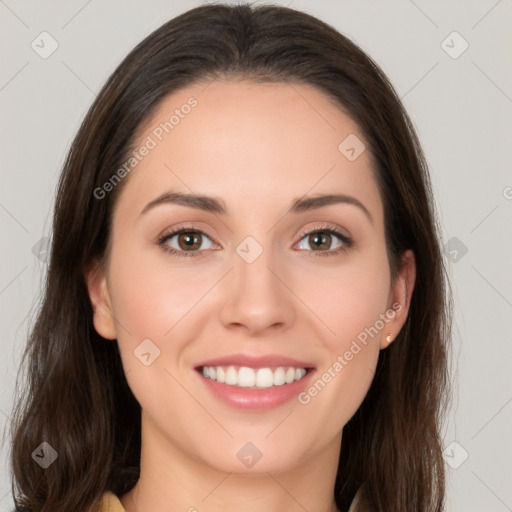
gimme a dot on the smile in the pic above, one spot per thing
(256, 378)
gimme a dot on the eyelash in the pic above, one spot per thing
(347, 242)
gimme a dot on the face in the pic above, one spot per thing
(261, 277)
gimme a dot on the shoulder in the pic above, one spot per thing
(110, 503)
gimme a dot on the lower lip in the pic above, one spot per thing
(256, 399)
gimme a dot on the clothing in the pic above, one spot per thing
(110, 502)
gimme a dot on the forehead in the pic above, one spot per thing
(252, 144)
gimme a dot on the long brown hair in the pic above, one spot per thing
(75, 396)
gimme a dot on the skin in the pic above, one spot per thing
(257, 147)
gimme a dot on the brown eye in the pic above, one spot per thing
(321, 240)
(186, 240)
(189, 240)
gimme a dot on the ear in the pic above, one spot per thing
(399, 299)
(103, 315)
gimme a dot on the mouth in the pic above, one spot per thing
(255, 383)
(254, 378)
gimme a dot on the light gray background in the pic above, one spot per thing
(462, 110)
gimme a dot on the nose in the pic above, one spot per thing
(257, 296)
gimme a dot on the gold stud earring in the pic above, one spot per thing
(388, 338)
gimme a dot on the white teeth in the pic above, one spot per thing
(264, 378)
(221, 374)
(246, 377)
(290, 375)
(231, 376)
(279, 378)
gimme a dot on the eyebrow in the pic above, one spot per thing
(218, 206)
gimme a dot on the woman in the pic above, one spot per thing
(246, 303)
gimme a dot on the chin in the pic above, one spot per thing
(257, 457)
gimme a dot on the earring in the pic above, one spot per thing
(389, 337)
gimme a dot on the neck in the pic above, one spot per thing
(171, 479)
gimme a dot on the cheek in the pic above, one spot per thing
(352, 302)
(351, 308)
(151, 295)
(348, 299)
(154, 304)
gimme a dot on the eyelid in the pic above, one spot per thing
(190, 225)
(325, 225)
(169, 233)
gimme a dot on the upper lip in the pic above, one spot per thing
(265, 361)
